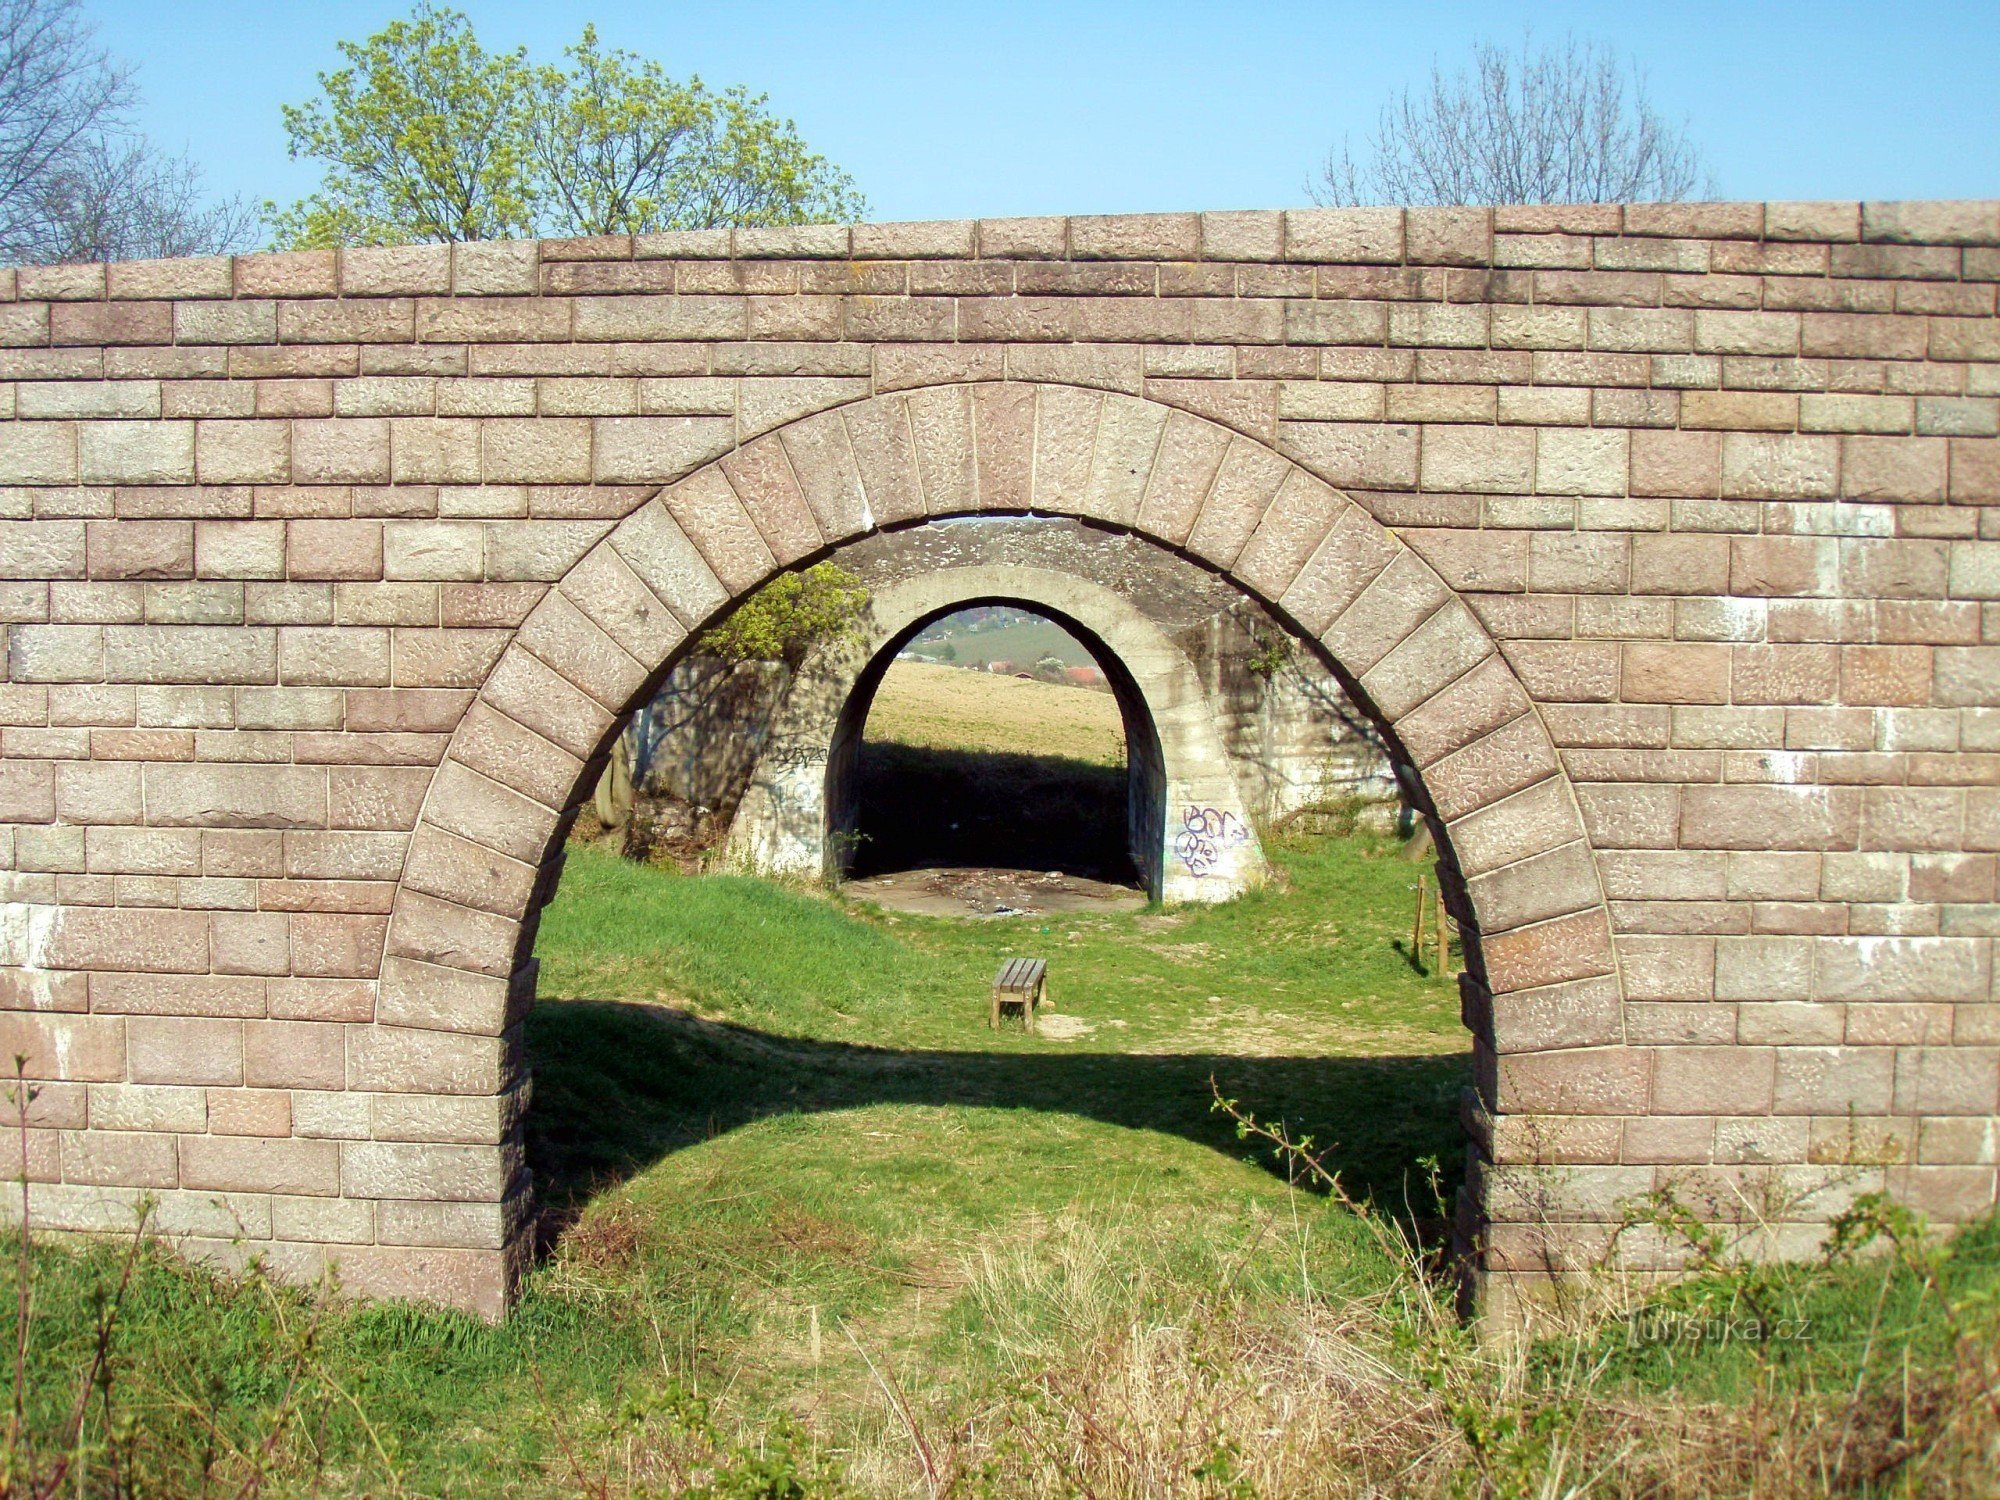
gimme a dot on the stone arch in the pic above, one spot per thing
(457, 970)
(1175, 754)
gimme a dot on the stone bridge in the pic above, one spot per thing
(1656, 539)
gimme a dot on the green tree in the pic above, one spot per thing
(621, 148)
(791, 617)
(423, 139)
(427, 136)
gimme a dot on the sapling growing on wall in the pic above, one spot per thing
(792, 616)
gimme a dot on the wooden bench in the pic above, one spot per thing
(1022, 982)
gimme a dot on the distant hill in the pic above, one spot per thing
(990, 633)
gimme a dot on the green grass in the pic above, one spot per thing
(1877, 1309)
(791, 1172)
(1314, 963)
(768, 1106)
(1298, 1000)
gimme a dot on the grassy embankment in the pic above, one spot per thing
(957, 708)
(831, 1226)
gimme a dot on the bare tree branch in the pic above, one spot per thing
(125, 200)
(77, 182)
(57, 90)
(1561, 124)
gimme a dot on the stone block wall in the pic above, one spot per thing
(699, 739)
(1663, 541)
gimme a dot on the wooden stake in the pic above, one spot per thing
(1444, 940)
(1417, 932)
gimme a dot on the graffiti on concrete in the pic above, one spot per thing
(791, 755)
(1208, 833)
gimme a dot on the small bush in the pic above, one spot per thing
(792, 616)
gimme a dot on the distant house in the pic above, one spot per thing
(1088, 677)
(1001, 668)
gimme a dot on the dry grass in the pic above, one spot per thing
(1078, 1371)
(1126, 1387)
(951, 708)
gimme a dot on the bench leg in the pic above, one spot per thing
(993, 1013)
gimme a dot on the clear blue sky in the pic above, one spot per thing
(945, 110)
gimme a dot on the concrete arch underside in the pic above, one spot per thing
(1658, 542)
(1178, 771)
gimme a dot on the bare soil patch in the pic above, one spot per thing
(987, 892)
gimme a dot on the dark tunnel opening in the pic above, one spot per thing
(997, 734)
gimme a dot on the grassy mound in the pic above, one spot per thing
(954, 708)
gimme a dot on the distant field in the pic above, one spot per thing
(949, 708)
(1023, 644)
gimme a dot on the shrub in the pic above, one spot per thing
(792, 616)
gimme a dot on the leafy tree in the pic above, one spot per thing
(1549, 125)
(791, 617)
(427, 136)
(77, 182)
(621, 148)
(423, 138)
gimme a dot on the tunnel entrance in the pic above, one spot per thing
(1186, 820)
(998, 738)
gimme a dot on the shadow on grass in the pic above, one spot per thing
(1424, 964)
(619, 1086)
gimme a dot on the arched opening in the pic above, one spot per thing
(1179, 747)
(1311, 1003)
(968, 768)
(823, 1019)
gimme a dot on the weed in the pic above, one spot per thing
(1271, 650)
